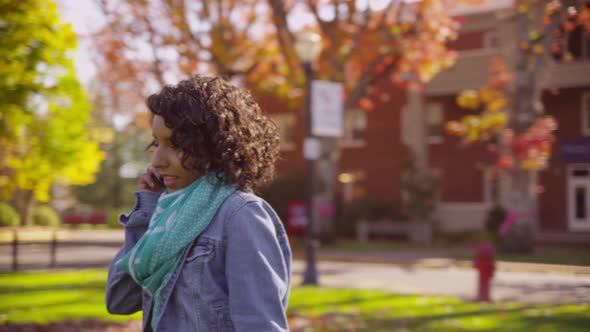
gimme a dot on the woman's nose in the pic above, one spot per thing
(159, 159)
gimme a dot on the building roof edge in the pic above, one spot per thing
(488, 6)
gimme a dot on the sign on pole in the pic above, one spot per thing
(311, 148)
(326, 108)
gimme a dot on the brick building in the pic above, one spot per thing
(371, 149)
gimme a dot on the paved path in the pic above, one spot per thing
(424, 278)
(527, 287)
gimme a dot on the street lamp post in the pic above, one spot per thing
(308, 48)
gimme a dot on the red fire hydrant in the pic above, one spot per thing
(485, 263)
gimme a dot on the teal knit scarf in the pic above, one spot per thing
(178, 219)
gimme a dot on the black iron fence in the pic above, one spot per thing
(22, 253)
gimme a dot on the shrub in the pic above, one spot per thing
(494, 220)
(113, 221)
(44, 215)
(418, 189)
(283, 190)
(8, 216)
(370, 210)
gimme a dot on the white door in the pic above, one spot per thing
(579, 197)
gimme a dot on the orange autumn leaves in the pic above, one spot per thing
(411, 48)
(531, 149)
(526, 148)
(576, 15)
(147, 43)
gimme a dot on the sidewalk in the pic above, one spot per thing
(427, 257)
(437, 258)
(406, 257)
(516, 287)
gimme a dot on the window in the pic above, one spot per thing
(585, 116)
(434, 122)
(355, 128)
(578, 42)
(580, 202)
(286, 126)
(586, 45)
(353, 185)
(475, 40)
(490, 39)
(491, 185)
(579, 197)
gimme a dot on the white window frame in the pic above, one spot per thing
(584, 45)
(488, 179)
(584, 49)
(356, 177)
(491, 39)
(571, 182)
(348, 142)
(585, 114)
(283, 144)
(434, 139)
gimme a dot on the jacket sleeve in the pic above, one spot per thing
(123, 295)
(257, 270)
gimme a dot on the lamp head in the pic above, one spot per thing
(308, 46)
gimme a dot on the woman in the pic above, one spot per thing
(202, 252)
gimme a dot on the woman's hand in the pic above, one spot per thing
(151, 181)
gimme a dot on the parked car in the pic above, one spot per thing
(81, 216)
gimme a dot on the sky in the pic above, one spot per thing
(85, 17)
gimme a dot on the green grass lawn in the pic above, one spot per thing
(551, 256)
(48, 297)
(373, 245)
(54, 296)
(560, 256)
(542, 255)
(382, 311)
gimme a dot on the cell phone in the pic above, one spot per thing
(159, 179)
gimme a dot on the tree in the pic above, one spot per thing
(153, 42)
(147, 43)
(125, 156)
(112, 189)
(511, 117)
(363, 46)
(44, 136)
(418, 190)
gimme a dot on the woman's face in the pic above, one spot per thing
(166, 158)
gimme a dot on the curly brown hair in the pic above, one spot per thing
(219, 128)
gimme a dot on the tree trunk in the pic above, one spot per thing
(117, 184)
(24, 203)
(520, 236)
(526, 93)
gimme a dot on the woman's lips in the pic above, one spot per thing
(169, 180)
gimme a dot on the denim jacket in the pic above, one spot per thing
(235, 276)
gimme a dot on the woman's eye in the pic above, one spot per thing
(165, 144)
(152, 145)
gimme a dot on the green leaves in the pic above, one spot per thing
(44, 110)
